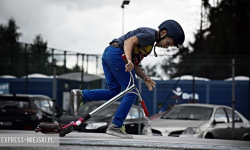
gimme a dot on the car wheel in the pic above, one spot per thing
(209, 136)
(246, 138)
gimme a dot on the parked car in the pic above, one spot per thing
(200, 121)
(100, 121)
(155, 116)
(25, 112)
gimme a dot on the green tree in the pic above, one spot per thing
(19, 59)
(38, 56)
(151, 71)
(214, 47)
(9, 48)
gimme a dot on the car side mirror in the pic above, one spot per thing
(220, 120)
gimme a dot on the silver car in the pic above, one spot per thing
(200, 121)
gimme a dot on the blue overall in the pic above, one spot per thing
(117, 78)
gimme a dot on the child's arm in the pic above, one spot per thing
(128, 47)
(140, 73)
(148, 81)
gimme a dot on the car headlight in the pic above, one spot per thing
(147, 130)
(96, 125)
(192, 130)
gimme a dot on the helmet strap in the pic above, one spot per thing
(154, 51)
(158, 40)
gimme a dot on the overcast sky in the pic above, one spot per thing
(87, 26)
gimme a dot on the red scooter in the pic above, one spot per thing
(46, 127)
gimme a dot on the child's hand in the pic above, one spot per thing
(149, 82)
(129, 66)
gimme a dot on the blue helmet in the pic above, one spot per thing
(174, 30)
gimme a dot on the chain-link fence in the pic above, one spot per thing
(211, 67)
(21, 59)
(209, 77)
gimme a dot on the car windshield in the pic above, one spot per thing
(189, 113)
(106, 112)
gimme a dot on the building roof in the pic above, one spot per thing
(7, 76)
(190, 77)
(36, 75)
(238, 78)
(77, 77)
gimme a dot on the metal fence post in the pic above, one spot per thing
(139, 104)
(77, 55)
(27, 69)
(193, 82)
(54, 89)
(233, 96)
(52, 55)
(96, 65)
(208, 93)
(87, 64)
(64, 62)
(155, 100)
(82, 72)
(249, 90)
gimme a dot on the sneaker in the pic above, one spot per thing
(120, 132)
(76, 98)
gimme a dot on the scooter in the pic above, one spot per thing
(48, 128)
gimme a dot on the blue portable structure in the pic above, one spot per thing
(44, 85)
(208, 92)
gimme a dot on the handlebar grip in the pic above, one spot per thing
(144, 108)
(124, 58)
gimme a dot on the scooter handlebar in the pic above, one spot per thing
(124, 58)
(142, 102)
(144, 108)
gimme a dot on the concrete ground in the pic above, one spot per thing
(101, 141)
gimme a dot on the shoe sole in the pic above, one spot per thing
(118, 135)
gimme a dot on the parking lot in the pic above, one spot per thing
(79, 140)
